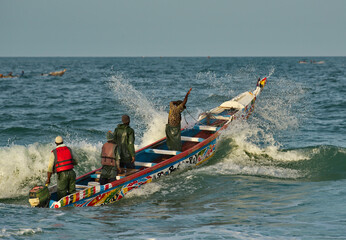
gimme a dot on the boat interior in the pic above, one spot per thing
(208, 123)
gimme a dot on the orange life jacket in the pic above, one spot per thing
(63, 159)
(108, 154)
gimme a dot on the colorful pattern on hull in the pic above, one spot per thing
(106, 194)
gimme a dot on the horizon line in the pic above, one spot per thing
(206, 56)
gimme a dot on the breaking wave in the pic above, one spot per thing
(154, 118)
(23, 167)
(246, 148)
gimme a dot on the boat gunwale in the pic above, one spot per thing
(151, 170)
(147, 171)
(166, 162)
(170, 161)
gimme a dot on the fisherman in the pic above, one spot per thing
(173, 128)
(62, 162)
(1, 76)
(110, 160)
(124, 136)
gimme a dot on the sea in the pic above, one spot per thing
(280, 174)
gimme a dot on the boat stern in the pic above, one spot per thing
(39, 196)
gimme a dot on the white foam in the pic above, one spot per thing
(145, 190)
(252, 148)
(246, 138)
(271, 72)
(19, 232)
(221, 83)
(143, 108)
(88, 155)
(23, 167)
(254, 151)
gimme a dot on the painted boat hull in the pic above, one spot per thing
(193, 156)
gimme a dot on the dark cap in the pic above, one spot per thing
(178, 102)
(109, 136)
(125, 119)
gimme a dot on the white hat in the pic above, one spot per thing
(58, 140)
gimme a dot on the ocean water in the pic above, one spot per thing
(279, 175)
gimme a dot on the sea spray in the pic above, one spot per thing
(271, 71)
(212, 81)
(143, 108)
(218, 200)
(23, 167)
(240, 152)
(88, 154)
(250, 147)
(12, 233)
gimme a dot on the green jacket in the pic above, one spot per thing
(124, 136)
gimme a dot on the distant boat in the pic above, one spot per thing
(8, 76)
(60, 73)
(311, 61)
(155, 160)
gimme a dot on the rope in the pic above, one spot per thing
(192, 117)
(209, 115)
(185, 118)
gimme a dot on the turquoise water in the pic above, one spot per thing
(279, 175)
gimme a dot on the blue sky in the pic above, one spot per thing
(173, 28)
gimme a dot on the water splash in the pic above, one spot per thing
(271, 72)
(212, 81)
(14, 233)
(23, 167)
(246, 149)
(142, 107)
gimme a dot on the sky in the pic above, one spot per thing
(113, 28)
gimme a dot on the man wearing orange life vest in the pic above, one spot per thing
(62, 162)
(110, 160)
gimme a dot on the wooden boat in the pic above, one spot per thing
(60, 73)
(155, 161)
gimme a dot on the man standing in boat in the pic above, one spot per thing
(110, 160)
(124, 136)
(173, 128)
(62, 162)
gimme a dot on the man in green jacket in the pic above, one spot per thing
(124, 136)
